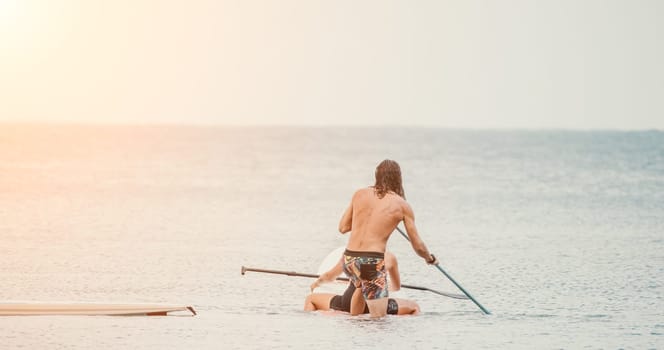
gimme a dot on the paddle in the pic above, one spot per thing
(292, 273)
(452, 279)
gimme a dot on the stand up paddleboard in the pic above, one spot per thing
(40, 309)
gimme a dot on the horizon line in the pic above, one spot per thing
(316, 126)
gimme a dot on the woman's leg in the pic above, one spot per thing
(318, 301)
(407, 307)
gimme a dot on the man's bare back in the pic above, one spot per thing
(372, 219)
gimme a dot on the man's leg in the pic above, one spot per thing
(377, 307)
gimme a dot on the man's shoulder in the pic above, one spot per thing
(396, 198)
(399, 202)
(363, 191)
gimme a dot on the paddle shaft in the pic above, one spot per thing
(298, 274)
(451, 279)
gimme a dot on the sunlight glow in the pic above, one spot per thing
(12, 13)
(460, 64)
(8, 10)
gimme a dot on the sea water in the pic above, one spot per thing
(560, 234)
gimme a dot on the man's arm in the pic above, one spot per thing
(415, 240)
(346, 223)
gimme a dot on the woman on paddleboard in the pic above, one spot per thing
(371, 217)
(329, 301)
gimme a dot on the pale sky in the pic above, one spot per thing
(465, 64)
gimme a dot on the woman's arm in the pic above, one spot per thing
(329, 275)
(393, 271)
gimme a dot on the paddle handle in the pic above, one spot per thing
(292, 273)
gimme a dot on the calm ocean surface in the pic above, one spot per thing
(560, 234)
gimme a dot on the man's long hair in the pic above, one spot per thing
(388, 178)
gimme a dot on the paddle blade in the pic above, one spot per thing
(331, 260)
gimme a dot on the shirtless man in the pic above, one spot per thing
(330, 301)
(371, 217)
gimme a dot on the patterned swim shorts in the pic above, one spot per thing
(366, 270)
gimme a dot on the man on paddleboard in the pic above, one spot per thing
(330, 301)
(371, 217)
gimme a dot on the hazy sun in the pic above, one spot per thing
(8, 11)
(6, 5)
(17, 20)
